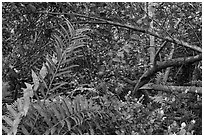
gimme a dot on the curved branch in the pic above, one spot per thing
(145, 78)
(134, 28)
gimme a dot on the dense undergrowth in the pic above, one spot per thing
(61, 88)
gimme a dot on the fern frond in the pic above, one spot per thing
(59, 116)
(16, 111)
(159, 77)
(66, 49)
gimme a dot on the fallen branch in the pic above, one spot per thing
(170, 89)
(145, 78)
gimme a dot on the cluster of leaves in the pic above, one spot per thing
(75, 80)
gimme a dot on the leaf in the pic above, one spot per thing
(65, 107)
(43, 71)
(68, 124)
(8, 120)
(75, 105)
(66, 69)
(85, 104)
(67, 33)
(53, 129)
(27, 94)
(54, 59)
(12, 111)
(35, 80)
(81, 30)
(5, 129)
(20, 104)
(56, 112)
(67, 61)
(71, 28)
(61, 109)
(73, 117)
(15, 124)
(80, 118)
(73, 48)
(62, 73)
(58, 46)
(50, 63)
(79, 39)
(69, 105)
(62, 84)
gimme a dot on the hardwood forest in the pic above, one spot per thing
(101, 68)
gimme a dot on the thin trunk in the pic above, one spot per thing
(151, 28)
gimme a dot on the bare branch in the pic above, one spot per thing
(134, 28)
(145, 78)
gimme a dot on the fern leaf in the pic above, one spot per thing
(75, 47)
(56, 112)
(60, 32)
(65, 107)
(79, 39)
(24, 130)
(8, 120)
(42, 113)
(75, 119)
(5, 129)
(61, 110)
(84, 105)
(66, 69)
(15, 124)
(69, 105)
(78, 130)
(12, 111)
(50, 63)
(67, 61)
(59, 42)
(67, 72)
(71, 28)
(68, 124)
(80, 118)
(52, 130)
(75, 105)
(60, 85)
(81, 30)
(66, 36)
(58, 46)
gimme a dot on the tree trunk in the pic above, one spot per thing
(151, 38)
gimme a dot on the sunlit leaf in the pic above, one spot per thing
(35, 80)
(43, 71)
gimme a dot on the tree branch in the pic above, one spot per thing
(134, 28)
(145, 78)
(158, 51)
